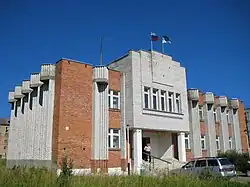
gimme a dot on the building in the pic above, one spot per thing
(102, 116)
(247, 115)
(216, 125)
(4, 133)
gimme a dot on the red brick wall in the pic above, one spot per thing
(243, 128)
(73, 108)
(114, 119)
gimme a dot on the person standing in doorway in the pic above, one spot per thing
(148, 150)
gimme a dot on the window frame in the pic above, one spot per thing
(111, 134)
(188, 141)
(230, 143)
(201, 113)
(227, 116)
(163, 103)
(155, 106)
(146, 93)
(215, 115)
(170, 97)
(111, 97)
(217, 143)
(178, 98)
(203, 138)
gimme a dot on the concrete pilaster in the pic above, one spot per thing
(137, 151)
(194, 123)
(100, 118)
(234, 118)
(123, 124)
(210, 124)
(222, 104)
(181, 147)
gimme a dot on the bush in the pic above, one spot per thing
(240, 160)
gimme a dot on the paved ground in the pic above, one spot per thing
(243, 179)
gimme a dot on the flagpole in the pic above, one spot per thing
(101, 51)
(151, 42)
(162, 46)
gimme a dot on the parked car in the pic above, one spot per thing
(215, 166)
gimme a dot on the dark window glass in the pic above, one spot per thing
(225, 161)
(201, 163)
(213, 162)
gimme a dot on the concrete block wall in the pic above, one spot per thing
(31, 120)
(224, 126)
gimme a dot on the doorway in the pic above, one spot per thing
(145, 141)
(175, 145)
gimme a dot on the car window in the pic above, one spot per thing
(189, 164)
(225, 161)
(212, 162)
(201, 163)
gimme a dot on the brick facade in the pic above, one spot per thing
(73, 110)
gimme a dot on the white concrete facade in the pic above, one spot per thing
(31, 120)
(167, 108)
(226, 113)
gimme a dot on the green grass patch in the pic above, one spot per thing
(23, 177)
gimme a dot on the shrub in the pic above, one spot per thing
(66, 172)
(240, 160)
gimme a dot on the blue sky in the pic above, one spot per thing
(210, 38)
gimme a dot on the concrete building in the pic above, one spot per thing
(101, 117)
(216, 124)
(4, 134)
(247, 116)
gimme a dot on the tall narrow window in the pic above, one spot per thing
(215, 116)
(155, 99)
(114, 99)
(230, 142)
(201, 112)
(217, 142)
(178, 103)
(170, 102)
(187, 143)
(163, 100)
(203, 142)
(114, 138)
(227, 113)
(146, 97)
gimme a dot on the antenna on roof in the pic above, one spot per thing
(101, 50)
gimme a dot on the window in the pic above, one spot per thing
(163, 101)
(215, 116)
(155, 99)
(114, 138)
(203, 142)
(170, 101)
(146, 97)
(6, 131)
(5, 147)
(201, 112)
(212, 162)
(227, 113)
(178, 102)
(5, 141)
(114, 99)
(189, 165)
(201, 163)
(187, 143)
(230, 142)
(224, 161)
(217, 142)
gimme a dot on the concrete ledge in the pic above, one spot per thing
(26, 87)
(35, 80)
(11, 98)
(100, 74)
(193, 94)
(209, 98)
(221, 101)
(48, 71)
(31, 163)
(18, 92)
(234, 103)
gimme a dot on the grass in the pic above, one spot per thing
(23, 177)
